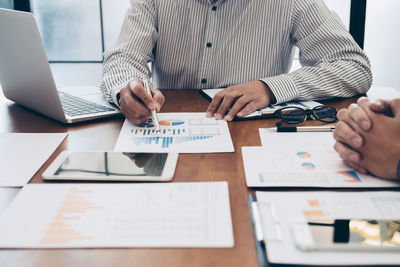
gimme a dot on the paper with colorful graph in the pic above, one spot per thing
(302, 160)
(180, 132)
(118, 215)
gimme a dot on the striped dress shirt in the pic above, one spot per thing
(198, 44)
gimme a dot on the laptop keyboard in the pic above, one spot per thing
(75, 106)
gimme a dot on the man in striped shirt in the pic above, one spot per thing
(245, 46)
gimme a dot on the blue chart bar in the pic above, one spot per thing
(166, 142)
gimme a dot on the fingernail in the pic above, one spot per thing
(354, 158)
(219, 117)
(132, 85)
(365, 125)
(208, 114)
(228, 117)
(379, 103)
(357, 142)
(240, 114)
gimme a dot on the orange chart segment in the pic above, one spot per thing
(171, 123)
(61, 229)
(354, 178)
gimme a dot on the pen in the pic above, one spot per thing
(153, 112)
(305, 129)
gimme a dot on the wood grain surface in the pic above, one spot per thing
(102, 135)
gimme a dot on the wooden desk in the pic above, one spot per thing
(102, 135)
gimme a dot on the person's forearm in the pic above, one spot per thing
(119, 68)
(129, 59)
(333, 64)
(341, 78)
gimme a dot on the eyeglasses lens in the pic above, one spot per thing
(325, 113)
(293, 115)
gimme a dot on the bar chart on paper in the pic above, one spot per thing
(180, 132)
(119, 215)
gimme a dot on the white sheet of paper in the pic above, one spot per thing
(22, 155)
(118, 215)
(302, 159)
(271, 108)
(180, 132)
(286, 207)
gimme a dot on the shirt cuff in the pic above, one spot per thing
(115, 92)
(283, 88)
(398, 171)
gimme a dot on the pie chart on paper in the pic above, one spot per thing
(171, 123)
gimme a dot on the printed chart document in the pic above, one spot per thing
(180, 132)
(278, 211)
(302, 159)
(118, 215)
(22, 155)
(267, 111)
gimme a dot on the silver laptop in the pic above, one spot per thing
(26, 78)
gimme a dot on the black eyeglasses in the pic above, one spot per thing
(294, 115)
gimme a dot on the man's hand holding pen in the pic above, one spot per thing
(136, 103)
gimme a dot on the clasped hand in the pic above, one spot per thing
(368, 136)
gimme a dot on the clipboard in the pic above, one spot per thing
(267, 211)
(264, 113)
(258, 236)
(258, 215)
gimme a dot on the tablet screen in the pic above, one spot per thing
(356, 232)
(103, 164)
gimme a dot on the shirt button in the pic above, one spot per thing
(203, 81)
(209, 45)
(214, 8)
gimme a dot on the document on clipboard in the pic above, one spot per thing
(275, 213)
(264, 112)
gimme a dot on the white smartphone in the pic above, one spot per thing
(347, 234)
(112, 166)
